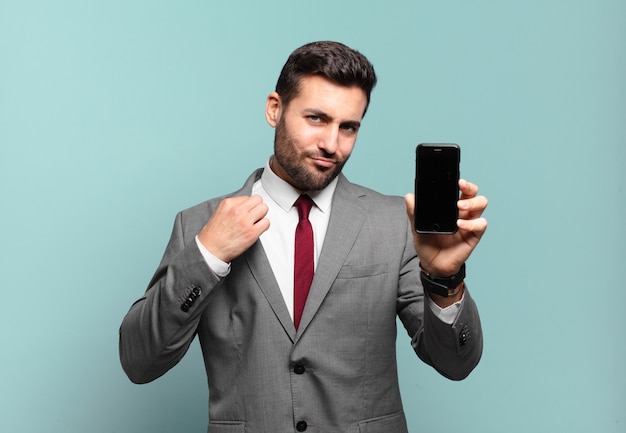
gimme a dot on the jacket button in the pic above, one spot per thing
(299, 369)
(464, 336)
(301, 426)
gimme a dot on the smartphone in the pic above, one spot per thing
(437, 187)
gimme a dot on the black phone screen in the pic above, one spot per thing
(437, 188)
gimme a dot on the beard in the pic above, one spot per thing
(293, 163)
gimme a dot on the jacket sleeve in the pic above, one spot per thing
(160, 326)
(453, 350)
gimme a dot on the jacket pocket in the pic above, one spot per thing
(226, 427)
(361, 271)
(394, 423)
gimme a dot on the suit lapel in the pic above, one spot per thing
(348, 213)
(262, 273)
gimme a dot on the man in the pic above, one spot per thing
(280, 360)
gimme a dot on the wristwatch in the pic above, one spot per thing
(445, 287)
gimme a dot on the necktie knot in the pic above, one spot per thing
(304, 205)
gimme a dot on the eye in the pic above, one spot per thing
(349, 128)
(313, 118)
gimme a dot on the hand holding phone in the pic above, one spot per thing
(437, 188)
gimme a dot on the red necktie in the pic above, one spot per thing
(303, 258)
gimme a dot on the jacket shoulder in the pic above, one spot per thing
(372, 197)
(207, 207)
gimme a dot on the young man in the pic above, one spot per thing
(286, 355)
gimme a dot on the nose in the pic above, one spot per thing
(329, 141)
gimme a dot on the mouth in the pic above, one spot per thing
(323, 162)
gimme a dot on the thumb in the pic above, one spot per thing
(409, 200)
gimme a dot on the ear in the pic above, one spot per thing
(273, 109)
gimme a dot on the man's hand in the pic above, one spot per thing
(442, 255)
(236, 224)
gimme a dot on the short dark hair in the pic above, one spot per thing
(332, 60)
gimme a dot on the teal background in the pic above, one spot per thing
(115, 115)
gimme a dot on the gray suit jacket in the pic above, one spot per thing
(338, 372)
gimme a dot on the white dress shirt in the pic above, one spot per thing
(278, 240)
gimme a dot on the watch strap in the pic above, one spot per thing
(443, 286)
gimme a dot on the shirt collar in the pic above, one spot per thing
(285, 195)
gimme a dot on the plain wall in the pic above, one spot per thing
(114, 115)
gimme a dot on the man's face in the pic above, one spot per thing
(316, 132)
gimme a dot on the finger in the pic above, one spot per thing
(476, 226)
(468, 189)
(261, 226)
(258, 212)
(251, 202)
(409, 200)
(474, 205)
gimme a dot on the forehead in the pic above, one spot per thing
(319, 93)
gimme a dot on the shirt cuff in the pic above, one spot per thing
(446, 315)
(220, 268)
